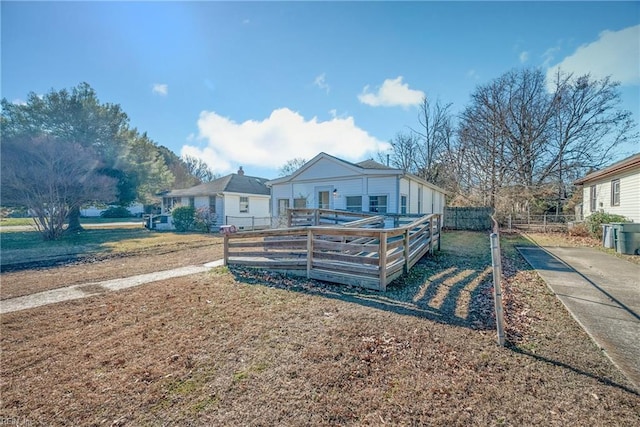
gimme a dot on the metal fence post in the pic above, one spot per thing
(497, 289)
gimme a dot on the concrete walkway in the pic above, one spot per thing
(602, 293)
(87, 289)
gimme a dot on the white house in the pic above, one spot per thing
(235, 199)
(614, 189)
(332, 183)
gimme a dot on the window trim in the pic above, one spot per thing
(386, 205)
(403, 204)
(245, 209)
(593, 198)
(282, 210)
(615, 184)
(212, 204)
(350, 207)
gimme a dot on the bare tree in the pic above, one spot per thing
(404, 152)
(434, 134)
(291, 166)
(520, 141)
(587, 125)
(199, 168)
(50, 185)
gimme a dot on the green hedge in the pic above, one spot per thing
(594, 222)
(184, 218)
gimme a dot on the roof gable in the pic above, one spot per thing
(317, 168)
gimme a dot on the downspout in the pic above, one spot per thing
(398, 208)
(221, 215)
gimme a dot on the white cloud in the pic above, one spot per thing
(615, 53)
(282, 136)
(321, 82)
(524, 57)
(473, 74)
(392, 93)
(160, 89)
(19, 101)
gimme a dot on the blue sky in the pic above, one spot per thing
(254, 84)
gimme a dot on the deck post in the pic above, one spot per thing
(439, 230)
(309, 252)
(406, 250)
(383, 261)
(431, 236)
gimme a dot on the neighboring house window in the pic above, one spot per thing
(300, 203)
(354, 203)
(592, 198)
(192, 202)
(378, 204)
(615, 192)
(323, 199)
(244, 205)
(403, 205)
(420, 200)
(283, 205)
(212, 204)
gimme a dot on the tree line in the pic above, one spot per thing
(519, 143)
(66, 149)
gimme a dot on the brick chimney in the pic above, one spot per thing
(240, 171)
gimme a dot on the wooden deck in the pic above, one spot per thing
(344, 248)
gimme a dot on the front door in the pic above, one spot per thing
(323, 200)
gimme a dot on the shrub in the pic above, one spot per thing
(184, 218)
(594, 222)
(205, 220)
(116, 212)
(579, 230)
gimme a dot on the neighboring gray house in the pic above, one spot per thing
(235, 199)
(614, 189)
(332, 183)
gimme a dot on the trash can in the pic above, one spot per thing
(615, 234)
(629, 239)
(607, 236)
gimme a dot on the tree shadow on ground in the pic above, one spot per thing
(459, 295)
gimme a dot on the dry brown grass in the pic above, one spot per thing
(245, 347)
(124, 255)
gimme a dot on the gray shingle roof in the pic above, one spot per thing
(233, 183)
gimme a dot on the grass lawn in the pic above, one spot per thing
(250, 347)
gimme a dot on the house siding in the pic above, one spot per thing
(629, 195)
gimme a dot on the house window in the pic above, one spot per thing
(403, 205)
(283, 205)
(212, 204)
(354, 203)
(592, 198)
(300, 202)
(615, 192)
(192, 202)
(420, 200)
(323, 200)
(244, 204)
(378, 204)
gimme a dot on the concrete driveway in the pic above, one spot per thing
(602, 293)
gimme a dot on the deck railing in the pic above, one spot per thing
(345, 253)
